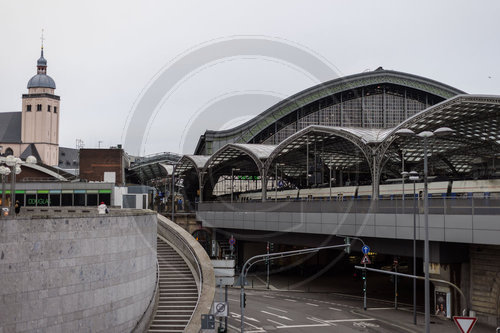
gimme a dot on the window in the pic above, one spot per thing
(48, 108)
(55, 109)
(28, 108)
(39, 107)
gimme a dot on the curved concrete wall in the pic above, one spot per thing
(81, 272)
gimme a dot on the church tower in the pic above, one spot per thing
(40, 114)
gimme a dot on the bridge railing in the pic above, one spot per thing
(439, 206)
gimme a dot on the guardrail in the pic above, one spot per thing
(451, 206)
(198, 260)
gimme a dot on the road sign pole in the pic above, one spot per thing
(364, 289)
(396, 288)
(225, 319)
(267, 261)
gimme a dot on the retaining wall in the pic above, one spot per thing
(76, 272)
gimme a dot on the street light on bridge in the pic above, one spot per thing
(425, 135)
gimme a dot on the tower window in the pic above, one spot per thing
(55, 109)
(48, 108)
(28, 108)
(39, 107)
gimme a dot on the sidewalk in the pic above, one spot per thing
(379, 305)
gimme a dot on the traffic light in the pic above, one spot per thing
(347, 249)
(271, 247)
(244, 300)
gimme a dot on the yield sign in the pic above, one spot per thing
(366, 260)
(465, 324)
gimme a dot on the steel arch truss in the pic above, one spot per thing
(476, 121)
(235, 156)
(339, 148)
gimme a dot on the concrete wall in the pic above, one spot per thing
(460, 225)
(76, 273)
(485, 283)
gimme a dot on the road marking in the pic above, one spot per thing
(270, 307)
(363, 324)
(300, 326)
(233, 300)
(252, 319)
(321, 321)
(275, 322)
(237, 315)
(290, 300)
(375, 309)
(311, 304)
(276, 315)
(349, 320)
(267, 296)
(237, 329)
(335, 309)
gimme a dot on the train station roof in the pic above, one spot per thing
(474, 118)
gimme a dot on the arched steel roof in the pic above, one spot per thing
(153, 166)
(245, 132)
(258, 153)
(188, 162)
(361, 138)
(475, 119)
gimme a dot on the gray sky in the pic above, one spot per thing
(104, 54)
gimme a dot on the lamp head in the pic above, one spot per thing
(10, 160)
(4, 171)
(31, 159)
(414, 175)
(443, 131)
(425, 134)
(405, 132)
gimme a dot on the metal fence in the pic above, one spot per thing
(439, 206)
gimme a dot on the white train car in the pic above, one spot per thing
(484, 188)
(465, 188)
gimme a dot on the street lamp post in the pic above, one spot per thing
(330, 181)
(414, 177)
(403, 175)
(425, 135)
(4, 172)
(232, 180)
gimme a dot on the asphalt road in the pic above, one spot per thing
(270, 311)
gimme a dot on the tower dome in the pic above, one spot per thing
(41, 79)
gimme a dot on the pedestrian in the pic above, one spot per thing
(102, 208)
(17, 207)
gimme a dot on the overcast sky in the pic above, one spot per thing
(104, 55)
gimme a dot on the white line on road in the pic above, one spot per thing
(270, 307)
(232, 300)
(347, 320)
(237, 329)
(300, 326)
(267, 296)
(290, 300)
(311, 304)
(276, 315)
(335, 309)
(275, 322)
(237, 315)
(321, 321)
(375, 309)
